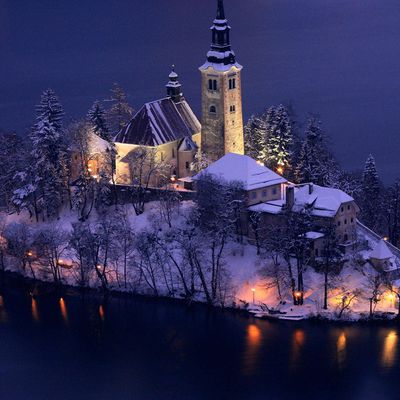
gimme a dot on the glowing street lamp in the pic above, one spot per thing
(254, 295)
(298, 295)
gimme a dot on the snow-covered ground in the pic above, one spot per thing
(250, 289)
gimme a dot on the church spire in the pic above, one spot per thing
(221, 52)
(174, 88)
(220, 10)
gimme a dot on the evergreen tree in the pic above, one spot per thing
(278, 144)
(254, 136)
(371, 195)
(120, 112)
(44, 180)
(97, 117)
(315, 162)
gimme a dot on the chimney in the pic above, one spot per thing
(310, 188)
(289, 197)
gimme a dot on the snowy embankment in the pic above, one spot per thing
(248, 287)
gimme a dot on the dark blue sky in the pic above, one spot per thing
(339, 58)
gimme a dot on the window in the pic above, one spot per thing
(232, 109)
(187, 165)
(253, 195)
(162, 156)
(274, 191)
(345, 221)
(338, 223)
(212, 84)
(348, 207)
(316, 252)
(264, 193)
(352, 220)
(213, 110)
(173, 153)
(232, 84)
(342, 209)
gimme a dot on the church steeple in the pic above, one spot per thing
(174, 88)
(221, 94)
(221, 52)
(220, 10)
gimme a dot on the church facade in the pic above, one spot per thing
(170, 128)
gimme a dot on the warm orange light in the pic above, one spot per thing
(173, 179)
(63, 309)
(35, 312)
(385, 238)
(253, 290)
(389, 349)
(30, 254)
(280, 170)
(297, 294)
(101, 312)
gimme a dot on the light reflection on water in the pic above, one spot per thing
(35, 311)
(101, 313)
(298, 340)
(64, 311)
(389, 352)
(3, 312)
(252, 347)
(341, 350)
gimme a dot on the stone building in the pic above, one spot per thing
(168, 128)
(221, 89)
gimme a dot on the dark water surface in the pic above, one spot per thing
(70, 348)
(339, 58)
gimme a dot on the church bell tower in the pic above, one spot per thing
(222, 116)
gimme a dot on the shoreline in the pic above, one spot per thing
(14, 280)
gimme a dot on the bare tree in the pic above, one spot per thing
(19, 244)
(374, 288)
(144, 169)
(51, 244)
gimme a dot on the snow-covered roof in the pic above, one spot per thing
(314, 235)
(220, 67)
(271, 207)
(381, 251)
(234, 167)
(97, 144)
(187, 144)
(321, 201)
(159, 122)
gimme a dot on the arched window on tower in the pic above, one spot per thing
(213, 110)
(232, 84)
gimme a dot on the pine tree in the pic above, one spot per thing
(371, 195)
(120, 112)
(315, 161)
(96, 116)
(278, 144)
(254, 136)
(46, 169)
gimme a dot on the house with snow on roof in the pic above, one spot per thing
(259, 182)
(326, 206)
(169, 127)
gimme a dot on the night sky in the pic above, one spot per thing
(338, 58)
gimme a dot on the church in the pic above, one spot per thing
(169, 127)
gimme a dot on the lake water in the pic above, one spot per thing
(338, 58)
(74, 348)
